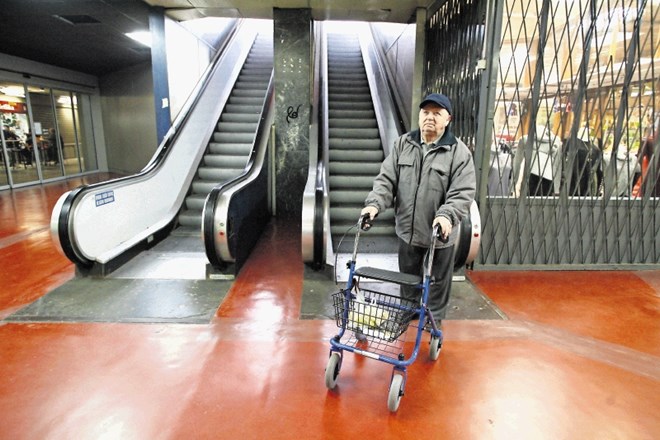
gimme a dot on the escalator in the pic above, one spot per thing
(231, 143)
(355, 148)
(212, 143)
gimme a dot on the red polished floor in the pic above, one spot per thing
(578, 358)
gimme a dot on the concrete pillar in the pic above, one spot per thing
(159, 72)
(293, 67)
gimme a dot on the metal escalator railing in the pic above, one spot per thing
(321, 191)
(106, 223)
(315, 196)
(235, 213)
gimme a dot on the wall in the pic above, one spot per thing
(190, 48)
(129, 118)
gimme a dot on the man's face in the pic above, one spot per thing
(432, 121)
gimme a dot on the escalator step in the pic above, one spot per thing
(190, 219)
(352, 123)
(351, 114)
(362, 105)
(239, 117)
(246, 100)
(257, 93)
(355, 133)
(237, 127)
(195, 202)
(219, 174)
(204, 186)
(351, 182)
(352, 97)
(243, 108)
(348, 197)
(231, 148)
(243, 138)
(354, 168)
(349, 154)
(341, 90)
(225, 160)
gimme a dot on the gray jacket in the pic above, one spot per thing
(422, 186)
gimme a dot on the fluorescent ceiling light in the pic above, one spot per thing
(17, 91)
(143, 37)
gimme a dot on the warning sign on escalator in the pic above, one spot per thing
(104, 198)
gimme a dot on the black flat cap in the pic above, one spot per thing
(438, 99)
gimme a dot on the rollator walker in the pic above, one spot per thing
(375, 324)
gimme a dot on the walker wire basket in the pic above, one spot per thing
(376, 315)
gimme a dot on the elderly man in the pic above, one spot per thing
(429, 179)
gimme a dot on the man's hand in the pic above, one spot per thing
(445, 225)
(371, 210)
(367, 215)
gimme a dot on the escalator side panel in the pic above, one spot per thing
(106, 220)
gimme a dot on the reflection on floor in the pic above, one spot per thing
(570, 355)
(24, 173)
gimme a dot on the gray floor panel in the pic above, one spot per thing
(128, 300)
(466, 301)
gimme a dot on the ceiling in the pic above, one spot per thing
(89, 35)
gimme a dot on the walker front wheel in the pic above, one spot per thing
(436, 346)
(396, 392)
(332, 370)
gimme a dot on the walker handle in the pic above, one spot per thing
(437, 233)
(365, 222)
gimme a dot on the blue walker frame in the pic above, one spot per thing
(399, 363)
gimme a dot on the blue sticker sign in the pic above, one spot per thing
(104, 198)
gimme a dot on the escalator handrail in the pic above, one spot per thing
(322, 236)
(193, 98)
(322, 193)
(389, 126)
(62, 219)
(217, 250)
(314, 195)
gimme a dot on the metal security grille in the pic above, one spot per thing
(568, 170)
(455, 35)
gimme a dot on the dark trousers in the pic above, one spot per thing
(411, 260)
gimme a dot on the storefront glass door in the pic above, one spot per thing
(19, 164)
(48, 139)
(67, 144)
(4, 169)
(46, 134)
